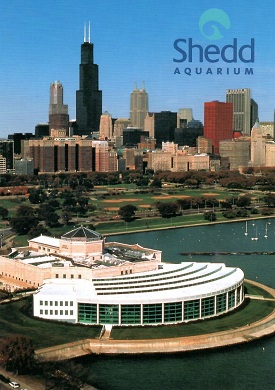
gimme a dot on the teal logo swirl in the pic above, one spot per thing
(213, 19)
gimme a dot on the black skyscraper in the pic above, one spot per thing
(88, 97)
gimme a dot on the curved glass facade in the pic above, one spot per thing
(172, 294)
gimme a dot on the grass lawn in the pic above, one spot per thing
(42, 333)
(47, 333)
(251, 311)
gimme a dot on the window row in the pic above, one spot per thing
(159, 313)
(64, 276)
(57, 312)
(56, 303)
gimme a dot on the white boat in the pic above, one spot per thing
(265, 236)
(256, 236)
(246, 232)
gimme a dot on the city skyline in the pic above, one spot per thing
(133, 42)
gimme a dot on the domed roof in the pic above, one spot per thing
(82, 234)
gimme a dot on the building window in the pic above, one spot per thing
(231, 299)
(221, 303)
(79, 276)
(87, 313)
(56, 303)
(66, 312)
(130, 314)
(51, 312)
(46, 303)
(71, 303)
(46, 312)
(41, 302)
(191, 309)
(56, 312)
(71, 312)
(41, 311)
(152, 313)
(108, 314)
(61, 303)
(66, 303)
(64, 276)
(61, 312)
(51, 303)
(173, 312)
(208, 307)
(72, 276)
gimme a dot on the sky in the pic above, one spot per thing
(133, 43)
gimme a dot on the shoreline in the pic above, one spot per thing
(186, 226)
(253, 331)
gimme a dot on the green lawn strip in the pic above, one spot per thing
(155, 223)
(48, 333)
(43, 333)
(251, 289)
(251, 312)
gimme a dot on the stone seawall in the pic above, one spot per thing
(256, 330)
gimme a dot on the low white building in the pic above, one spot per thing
(130, 285)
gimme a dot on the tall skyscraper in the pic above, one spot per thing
(245, 109)
(58, 112)
(138, 107)
(88, 97)
(218, 122)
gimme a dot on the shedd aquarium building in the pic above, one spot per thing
(130, 285)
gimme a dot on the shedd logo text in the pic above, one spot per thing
(211, 25)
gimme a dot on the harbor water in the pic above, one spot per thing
(244, 367)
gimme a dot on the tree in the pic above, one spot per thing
(168, 209)
(270, 200)
(25, 211)
(22, 225)
(210, 216)
(243, 201)
(4, 212)
(66, 217)
(127, 212)
(156, 183)
(38, 230)
(37, 196)
(17, 354)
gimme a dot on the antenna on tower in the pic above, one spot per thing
(89, 33)
(84, 32)
(143, 85)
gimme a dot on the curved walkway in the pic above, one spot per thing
(256, 330)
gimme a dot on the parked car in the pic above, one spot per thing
(14, 385)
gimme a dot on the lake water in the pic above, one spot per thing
(244, 367)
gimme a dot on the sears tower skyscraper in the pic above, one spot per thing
(88, 97)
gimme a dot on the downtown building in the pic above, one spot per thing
(58, 112)
(139, 107)
(7, 153)
(88, 97)
(235, 153)
(218, 122)
(161, 126)
(245, 109)
(68, 154)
